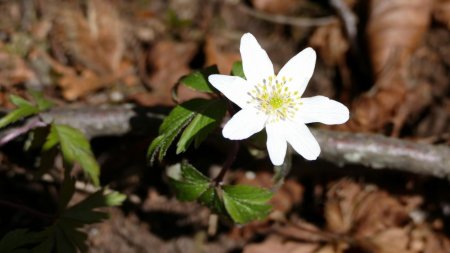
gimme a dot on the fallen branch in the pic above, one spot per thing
(371, 150)
(379, 152)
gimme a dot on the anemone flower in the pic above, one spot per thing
(275, 102)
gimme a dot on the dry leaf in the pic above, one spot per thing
(395, 30)
(217, 52)
(340, 205)
(279, 245)
(13, 69)
(95, 40)
(365, 211)
(277, 7)
(441, 12)
(169, 61)
(301, 230)
(331, 44)
(393, 240)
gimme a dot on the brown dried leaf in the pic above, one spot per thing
(170, 61)
(279, 245)
(277, 7)
(435, 242)
(441, 12)
(218, 53)
(330, 43)
(301, 230)
(395, 30)
(364, 211)
(393, 240)
(75, 86)
(13, 69)
(95, 40)
(340, 205)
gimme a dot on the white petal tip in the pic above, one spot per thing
(311, 158)
(247, 36)
(214, 78)
(310, 54)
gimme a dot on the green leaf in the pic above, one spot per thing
(75, 148)
(198, 80)
(246, 203)
(202, 125)
(237, 69)
(211, 199)
(191, 185)
(83, 211)
(17, 239)
(177, 120)
(64, 236)
(42, 103)
(24, 109)
(67, 191)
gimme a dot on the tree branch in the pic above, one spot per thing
(341, 148)
(379, 152)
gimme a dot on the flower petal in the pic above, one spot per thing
(233, 87)
(244, 124)
(321, 109)
(300, 68)
(302, 140)
(255, 61)
(276, 143)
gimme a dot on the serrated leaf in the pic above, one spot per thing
(237, 69)
(84, 210)
(75, 148)
(67, 191)
(246, 203)
(171, 126)
(65, 234)
(211, 199)
(191, 185)
(24, 109)
(15, 240)
(202, 125)
(18, 101)
(198, 80)
(174, 123)
(42, 103)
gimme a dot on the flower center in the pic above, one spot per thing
(274, 98)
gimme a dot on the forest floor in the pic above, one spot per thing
(388, 61)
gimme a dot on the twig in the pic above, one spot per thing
(286, 20)
(341, 148)
(348, 18)
(13, 133)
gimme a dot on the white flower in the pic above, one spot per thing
(275, 102)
